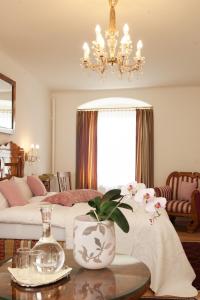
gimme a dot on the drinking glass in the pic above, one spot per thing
(22, 258)
(42, 262)
(36, 259)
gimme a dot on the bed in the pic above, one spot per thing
(157, 244)
(15, 235)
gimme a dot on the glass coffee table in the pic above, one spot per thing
(125, 278)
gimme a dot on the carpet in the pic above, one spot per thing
(192, 250)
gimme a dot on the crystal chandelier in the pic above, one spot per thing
(107, 53)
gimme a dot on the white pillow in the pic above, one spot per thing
(3, 202)
(23, 186)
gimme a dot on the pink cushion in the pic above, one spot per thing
(71, 197)
(185, 190)
(12, 193)
(36, 186)
(23, 186)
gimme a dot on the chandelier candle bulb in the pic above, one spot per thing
(126, 29)
(139, 47)
(101, 43)
(86, 50)
(99, 38)
(97, 30)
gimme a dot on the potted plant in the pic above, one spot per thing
(94, 233)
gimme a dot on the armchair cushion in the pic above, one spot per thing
(177, 206)
(185, 190)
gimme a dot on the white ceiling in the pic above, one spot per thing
(46, 37)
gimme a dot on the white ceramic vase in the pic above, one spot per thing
(94, 242)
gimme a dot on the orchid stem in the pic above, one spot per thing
(96, 216)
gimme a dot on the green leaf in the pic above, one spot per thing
(119, 218)
(106, 207)
(96, 202)
(92, 214)
(125, 205)
(112, 195)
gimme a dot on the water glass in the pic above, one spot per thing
(47, 262)
(22, 258)
(36, 259)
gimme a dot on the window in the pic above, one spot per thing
(115, 148)
(106, 143)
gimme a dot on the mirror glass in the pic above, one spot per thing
(7, 104)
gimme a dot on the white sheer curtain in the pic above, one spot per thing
(116, 139)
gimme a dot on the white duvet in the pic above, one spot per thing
(157, 245)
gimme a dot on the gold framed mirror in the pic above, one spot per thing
(7, 104)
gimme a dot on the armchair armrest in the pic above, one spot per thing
(164, 191)
(195, 211)
(195, 202)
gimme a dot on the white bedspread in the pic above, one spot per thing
(157, 245)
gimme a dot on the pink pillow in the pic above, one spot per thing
(36, 186)
(71, 197)
(185, 190)
(12, 193)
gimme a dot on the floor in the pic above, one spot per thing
(184, 237)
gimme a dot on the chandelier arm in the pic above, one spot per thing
(99, 67)
(136, 66)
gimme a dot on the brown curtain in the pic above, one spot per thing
(145, 147)
(86, 150)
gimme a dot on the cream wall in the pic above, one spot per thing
(33, 123)
(176, 114)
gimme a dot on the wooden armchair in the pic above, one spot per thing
(183, 197)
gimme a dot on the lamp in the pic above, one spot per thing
(107, 54)
(32, 155)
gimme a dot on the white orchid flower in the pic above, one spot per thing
(144, 196)
(151, 203)
(140, 186)
(155, 204)
(129, 189)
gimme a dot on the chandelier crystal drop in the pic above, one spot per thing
(109, 52)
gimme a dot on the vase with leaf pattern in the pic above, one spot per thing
(94, 242)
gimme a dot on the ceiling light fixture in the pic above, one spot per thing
(107, 53)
